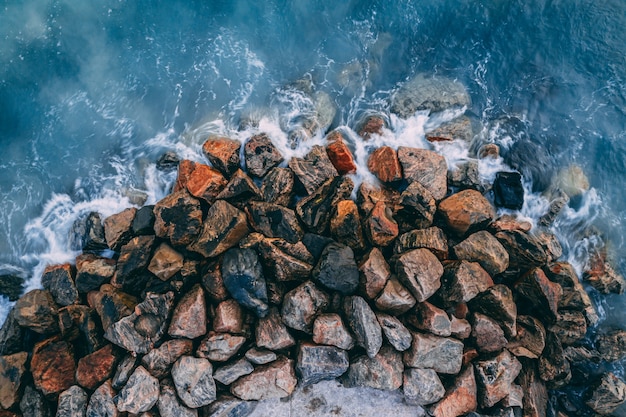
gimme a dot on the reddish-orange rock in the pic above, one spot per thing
(368, 195)
(223, 153)
(53, 366)
(345, 225)
(460, 399)
(12, 371)
(540, 295)
(205, 182)
(96, 367)
(341, 157)
(467, 211)
(380, 227)
(228, 317)
(185, 168)
(429, 318)
(384, 163)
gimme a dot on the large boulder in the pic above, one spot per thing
(169, 405)
(37, 311)
(364, 324)
(525, 250)
(415, 207)
(314, 169)
(443, 354)
(384, 164)
(240, 190)
(484, 248)
(497, 302)
(59, 280)
(193, 379)
(223, 153)
(276, 221)
(395, 298)
(381, 371)
(508, 190)
(316, 363)
(53, 366)
(426, 167)
(205, 182)
(276, 380)
(93, 271)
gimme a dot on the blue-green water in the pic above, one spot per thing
(91, 93)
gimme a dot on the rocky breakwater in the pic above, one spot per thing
(239, 286)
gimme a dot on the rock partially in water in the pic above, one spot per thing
(508, 190)
(72, 402)
(422, 386)
(371, 125)
(243, 277)
(428, 93)
(570, 326)
(87, 234)
(384, 164)
(261, 155)
(224, 227)
(37, 311)
(607, 395)
(93, 271)
(11, 286)
(11, 335)
(140, 393)
(601, 275)
(381, 371)
(314, 169)
(340, 154)
(459, 128)
(12, 372)
(168, 161)
(612, 345)
(570, 180)
(276, 380)
(524, 249)
(364, 324)
(59, 280)
(118, 228)
(467, 211)
(316, 363)
(193, 378)
(426, 167)
(466, 176)
(222, 153)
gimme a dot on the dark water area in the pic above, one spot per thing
(91, 93)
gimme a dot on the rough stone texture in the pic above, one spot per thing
(612, 345)
(428, 93)
(570, 326)
(509, 223)
(37, 311)
(316, 363)
(608, 395)
(341, 157)
(240, 190)
(277, 186)
(87, 234)
(117, 228)
(165, 262)
(140, 331)
(224, 227)
(219, 347)
(272, 334)
(227, 406)
(426, 167)
(59, 280)
(489, 150)
(384, 164)
(124, 370)
(53, 366)
(314, 169)
(276, 380)
(143, 223)
(11, 286)
(553, 367)
(497, 302)
(101, 402)
(189, 319)
(302, 304)
(442, 354)
(228, 317)
(422, 386)
(364, 324)
(261, 155)
(193, 378)
(134, 257)
(33, 403)
(169, 405)
(465, 175)
(508, 190)
(222, 153)
(205, 182)
(415, 208)
(337, 269)
(80, 325)
(420, 271)
(395, 332)
(487, 334)
(431, 319)
(213, 282)
(495, 376)
(484, 248)
(93, 271)
(539, 295)
(72, 402)
(462, 281)
(395, 298)
(530, 339)
(371, 125)
(12, 371)
(459, 128)
(111, 304)
(374, 273)
(380, 227)
(316, 209)
(345, 225)
(11, 335)
(525, 250)
(285, 261)
(159, 361)
(243, 277)
(431, 238)
(467, 211)
(140, 393)
(260, 357)
(329, 329)
(460, 399)
(96, 367)
(178, 218)
(382, 371)
(185, 168)
(230, 373)
(535, 399)
(274, 220)
(460, 328)
(601, 276)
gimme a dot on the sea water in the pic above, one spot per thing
(92, 93)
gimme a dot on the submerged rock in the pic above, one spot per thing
(609, 394)
(428, 93)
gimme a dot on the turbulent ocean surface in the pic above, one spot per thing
(92, 93)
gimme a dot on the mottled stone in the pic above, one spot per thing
(53, 366)
(337, 269)
(222, 153)
(420, 271)
(72, 402)
(316, 209)
(59, 280)
(497, 302)
(431, 238)
(213, 282)
(11, 335)
(33, 403)
(329, 329)
(178, 218)
(285, 261)
(111, 304)
(607, 395)
(364, 324)
(431, 319)
(140, 393)
(395, 332)
(143, 223)
(384, 164)
(243, 277)
(134, 257)
(422, 386)
(460, 398)
(227, 406)
(525, 250)
(12, 371)
(368, 195)
(540, 295)
(87, 234)
(425, 92)
(601, 276)
(260, 357)
(165, 262)
(228, 317)
(37, 311)
(484, 248)
(553, 367)
(535, 400)
(467, 211)
(381, 371)
(612, 345)
(240, 190)
(189, 319)
(302, 304)
(462, 281)
(193, 378)
(272, 334)
(261, 155)
(426, 167)
(317, 362)
(374, 273)
(159, 361)
(395, 298)
(219, 347)
(101, 402)
(230, 373)
(509, 223)
(169, 405)
(530, 339)
(117, 228)
(345, 225)
(124, 370)
(274, 220)
(276, 380)
(96, 367)
(442, 354)
(93, 271)
(224, 227)
(495, 376)
(205, 182)
(277, 186)
(569, 327)
(487, 334)
(460, 328)
(380, 227)
(415, 208)
(314, 169)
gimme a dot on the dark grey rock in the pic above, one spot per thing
(243, 277)
(316, 209)
(612, 345)
(33, 403)
(87, 234)
(508, 190)
(396, 333)
(72, 402)
(553, 367)
(134, 257)
(274, 220)
(59, 280)
(37, 311)
(169, 404)
(260, 357)
(525, 250)
(261, 155)
(93, 271)
(364, 324)
(11, 286)
(123, 371)
(230, 373)
(337, 269)
(231, 407)
(168, 161)
(11, 335)
(143, 223)
(140, 393)
(277, 186)
(422, 386)
(314, 169)
(607, 395)
(101, 402)
(317, 362)
(302, 304)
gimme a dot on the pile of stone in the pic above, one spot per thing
(239, 286)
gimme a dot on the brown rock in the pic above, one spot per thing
(460, 399)
(553, 367)
(489, 150)
(601, 276)
(80, 324)
(535, 393)
(431, 238)
(372, 125)
(429, 318)
(160, 360)
(178, 217)
(509, 223)
(134, 257)
(205, 182)
(302, 304)
(460, 328)
(111, 304)
(525, 250)
(541, 296)
(497, 302)
(140, 393)
(189, 319)
(383, 371)
(485, 249)
(276, 380)
(415, 208)
(395, 332)
(428, 351)
(345, 225)
(53, 366)
(275, 221)
(12, 371)
(420, 271)
(240, 190)
(384, 164)
(368, 195)
(364, 324)
(341, 157)
(272, 334)
(228, 317)
(117, 228)
(59, 280)
(469, 354)
(607, 395)
(426, 167)
(487, 334)
(37, 311)
(329, 329)
(185, 168)
(612, 345)
(495, 376)
(374, 273)
(285, 261)
(574, 296)
(570, 326)
(315, 210)
(213, 282)
(277, 186)
(261, 155)
(467, 211)
(380, 227)
(96, 367)
(219, 347)
(223, 228)
(314, 169)
(462, 281)
(550, 244)
(93, 271)
(223, 154)
(530, 339)
(394, 298)
(165, 262)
